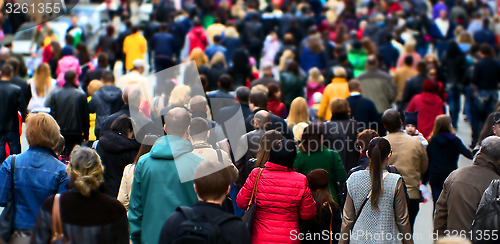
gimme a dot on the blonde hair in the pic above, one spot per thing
(298, 112)
(42, 130)
(315, 75)
(259, 89)
(339, 71)
(42, 79)
(85, 169)
(180, 96)
(198, 56)
(93, 87)
(287, 55)
(218, 58)
(231, 32)
(442, 124)
(465, 37)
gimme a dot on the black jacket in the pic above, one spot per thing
(116, 152)
(277, 123)
(11, 101)
(486, 73)
(97, 219)
(25, 88)
(106, 101)
(69, 108)
(413, 87)
(341, 135)
(364, 111)
(233, 231)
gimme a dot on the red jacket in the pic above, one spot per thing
(277, 108)
(429, 106)
(197, 38)
(282, 197)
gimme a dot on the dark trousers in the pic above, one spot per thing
(163, 63)
(436, 191)
(454, 94)
(12, 139)
(413, 208)
(70, 143)
(483, 103)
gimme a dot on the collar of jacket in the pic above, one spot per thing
(199, 145)
(43, 149)
(341, 116)
(69, 85)
(277, 167)
(484, 160)
(339, 80)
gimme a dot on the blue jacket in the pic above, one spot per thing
(164, 45)
(309, 60)
(163, 181)
(38, 174)
(213, 49)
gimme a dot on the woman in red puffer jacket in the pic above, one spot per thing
(282, 196)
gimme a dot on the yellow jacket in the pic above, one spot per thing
(337, 89)
(134, 47)
(92, 124)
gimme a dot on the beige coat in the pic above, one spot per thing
(126, 185)
(205, 150)
(400, 77)
(410, 158)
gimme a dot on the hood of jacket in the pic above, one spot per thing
(429, 98)
(484, 160)
(443, 138)
(110, 93)
(197, 30)
(169, 147)
(113, 142)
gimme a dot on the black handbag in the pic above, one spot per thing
(252, 205)
(8, 215)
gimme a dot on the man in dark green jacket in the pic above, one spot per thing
(163, 179)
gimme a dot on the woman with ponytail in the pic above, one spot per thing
(87, 215)
(376, 210)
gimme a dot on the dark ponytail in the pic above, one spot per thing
(378, 150)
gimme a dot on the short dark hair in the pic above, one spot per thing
(243, 94)
(354, 85)
(408, 60)
(214, 185)
(198, 128)
(135, 29)
(108, 77)
(102, 60)
(6, 70)
(69, 39)
(225, 81)
(122, 125)
(486, 50)
(258, 99)
(391, 120)
(70, 76)
(311, 138)
(14, 62)
(421, 67)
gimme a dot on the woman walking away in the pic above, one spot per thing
(282, 197)
(443, 151)
(99, 219)
(328, 211)
(376, 201)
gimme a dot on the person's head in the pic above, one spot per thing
(218, 60)
(391, 120)
(274, 93)
(339, 72)
(293, 67)
(262, 119)
(198, 130)
(258, 100)
(68, 40)
(339, 106)
(410, 46)
(212, 180)
(139, 65)
(315, 76)
(486, 51)
(315, 45)
(283, 152)
(93, 87)
(102, 60)
(267, 69)
(319, 180)
(298, 112)
(70, 77)
(372, 62)
(74, 19)
(225, 82)
(42, 130)
(421, 67)
(265, 143)
(108, 78)
(496, 123)
(180, 96)
(312, 138)
(217, 39)
(354, 86)
(490, 146)
(123, 126)
(411, 122)
(6, 71)
(442, 124)
(242, 94)
(135, 29)
(110, 30)
(364, 139)
(198, 56)
(486, 23)
(14, 63)
(379, 151)
(85, 170)
(177, 121)
(443, 14)
(259, 88)
(198, 103)
(408, 60)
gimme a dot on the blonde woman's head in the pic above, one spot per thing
(180, 96)
(85, 170)
(217, 59)
(315, 75)
(298, 112)
(410, 46)
(198, 56)
(231, 32)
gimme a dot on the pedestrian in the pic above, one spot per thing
(41, 85)
(274, 104)
(429, 105)
(298, 112)
(292, 83)
(315, 83)
(134, 47)
(338, 88)
(410, 127)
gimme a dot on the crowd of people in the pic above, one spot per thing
(323, 115)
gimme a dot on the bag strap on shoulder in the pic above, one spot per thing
(186, 211)
(57, 232)
(219, 155)
(12, 168)
(254, 190)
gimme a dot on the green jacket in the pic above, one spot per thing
(357, 58)
(292, 86)
(305, 163)
(157, 189)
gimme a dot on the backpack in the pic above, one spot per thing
(486, 223)
(200, 229)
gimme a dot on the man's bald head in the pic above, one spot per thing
(371, 62)
(491, 147)
(198, 103)
(391, 120)
(262, 119)
(177, 121)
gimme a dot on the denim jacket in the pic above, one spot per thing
(38, 174)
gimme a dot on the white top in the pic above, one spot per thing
(38, 103)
